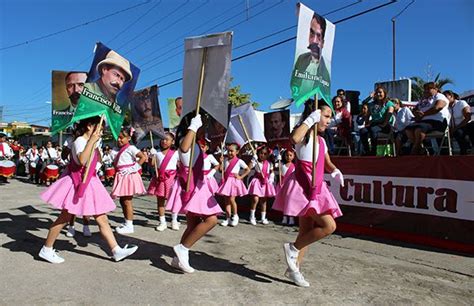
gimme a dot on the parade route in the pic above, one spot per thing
(234, 266)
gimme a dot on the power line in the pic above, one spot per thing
(182, 18)
(293, 38)
(73, 27)
(259, 39)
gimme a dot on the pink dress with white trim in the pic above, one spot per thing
(231, 186)
(161, 186)
(260, 185)
(296, 197)
(127, 184)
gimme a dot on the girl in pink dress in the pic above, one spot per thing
(74, 197)
(232, 185)
(161, 186)
(128, 180)
(315, 206)
(261, 187)
(199, 205)
(211, 165)
(287, 168)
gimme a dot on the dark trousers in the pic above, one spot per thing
(372, 132)
(461, 136)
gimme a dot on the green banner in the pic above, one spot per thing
(93, 103)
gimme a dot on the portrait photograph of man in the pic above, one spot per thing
(146, 115)
(312, 67)
(276, 125)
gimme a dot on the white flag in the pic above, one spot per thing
(235, 132)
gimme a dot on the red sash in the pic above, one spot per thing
(231, 166)
(1, 149)
(116, 159)
(196, 175)
(163, 175)
(263, 176)
(290, 170)
(304, 170)
(77, 171)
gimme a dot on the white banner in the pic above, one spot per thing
(235, 132)
(436, 197)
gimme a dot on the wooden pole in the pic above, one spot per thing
(248, 139)
(154, 156)
(89, 160)
(280, 169)
(198, 107)
(315, 145)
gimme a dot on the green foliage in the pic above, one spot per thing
(418, 83)
(237, 98)
(21, 132)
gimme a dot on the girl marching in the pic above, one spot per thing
(128, 180)
(161, 185)
(232, 185)
(74, 197)
(287, 168)
(315, 206)
(199, 205)
(261, 187)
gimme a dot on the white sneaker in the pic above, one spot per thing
(175, 226)
(126, 251)
(297, 278)
(183, 259)
(50, 255)
(291, 257)
(125, 229)
(234, 221)
(162, 226)
(86, 231)
(264, 221)
(253, 221)
(70, 231)
(177, 265)
(284, 220)
(225, 222)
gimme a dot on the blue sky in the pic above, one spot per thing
(432, 36)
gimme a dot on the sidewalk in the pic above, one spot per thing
(236, 266)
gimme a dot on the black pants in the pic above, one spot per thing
(461, 136)
(372, 132)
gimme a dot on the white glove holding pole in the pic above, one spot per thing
(211, 173)
(313, 118)
(338, 174)
(153, 151)
(196, 123)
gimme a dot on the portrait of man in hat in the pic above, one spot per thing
(146, 112)
(114, 71)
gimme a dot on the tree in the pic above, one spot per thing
(237, 98)
(17, 133)
(418, 83)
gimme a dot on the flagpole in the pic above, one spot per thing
(249, 140)
(315, 145)
(89, 160)
(280, 169)
(198, 106)
(154, 156)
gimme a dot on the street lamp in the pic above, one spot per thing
(394, 18)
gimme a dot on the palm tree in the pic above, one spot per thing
(418, 83)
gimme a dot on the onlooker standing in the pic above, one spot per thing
(460, 124)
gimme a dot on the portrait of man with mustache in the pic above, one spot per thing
(75, 81)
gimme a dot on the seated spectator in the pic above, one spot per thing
(362, 122)
(381, 112)
(431, 114)
(403, 117)
(342, 93)
(340, 124)
(461, 125)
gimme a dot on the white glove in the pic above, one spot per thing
(153, 151)
(337, 173)
(211, 173)
(278, 157)
(196, 123)
(313, 118)
(271, 179)
(255, 157)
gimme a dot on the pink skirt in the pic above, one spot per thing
(95, 201)
(212, 184)
(232, 187)
(127, 185)
(265, 190)
(161, 188)
(202, 202)
(292, 201)
(174, 202)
